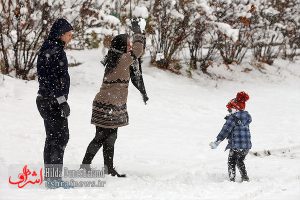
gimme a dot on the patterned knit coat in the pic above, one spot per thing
(110, 103)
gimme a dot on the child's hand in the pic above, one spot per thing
(214, 145)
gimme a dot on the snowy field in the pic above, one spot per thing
(164, 151)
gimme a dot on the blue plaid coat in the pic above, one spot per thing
(236, 130)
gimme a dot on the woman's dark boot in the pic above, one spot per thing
(86, 167)
(112, 171)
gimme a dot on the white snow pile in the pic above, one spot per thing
(140, 11)
(176, 15)
(203, 4)
(228, 30)
(271, 11)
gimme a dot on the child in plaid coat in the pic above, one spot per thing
(236, 130)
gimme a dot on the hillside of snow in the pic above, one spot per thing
(164, 150)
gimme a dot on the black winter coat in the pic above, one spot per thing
(52, 63)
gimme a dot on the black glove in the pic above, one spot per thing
(145, 98)
(135, 27)
(65, 109)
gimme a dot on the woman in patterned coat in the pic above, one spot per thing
(109, 105)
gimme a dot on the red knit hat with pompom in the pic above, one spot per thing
(239, 102)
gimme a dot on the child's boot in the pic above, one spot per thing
(245, 178)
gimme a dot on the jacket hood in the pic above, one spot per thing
(59, 27)
(244, 116)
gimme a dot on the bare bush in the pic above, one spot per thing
(170, 23)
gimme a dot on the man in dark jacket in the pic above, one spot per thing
(54, 84)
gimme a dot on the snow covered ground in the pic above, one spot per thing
(164, 150)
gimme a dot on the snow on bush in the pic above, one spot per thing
(140, 11)
(228, 30)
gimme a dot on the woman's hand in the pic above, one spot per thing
(135, 27)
